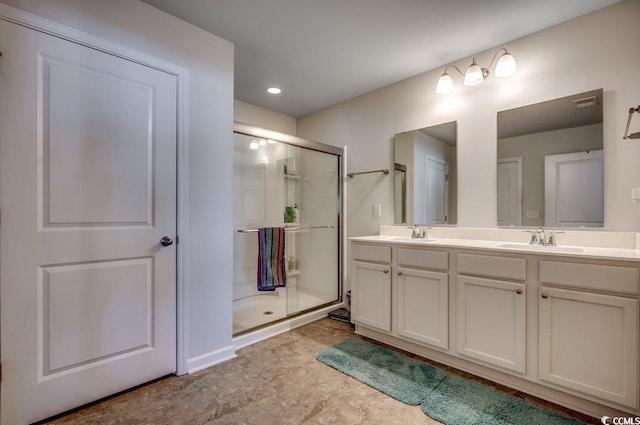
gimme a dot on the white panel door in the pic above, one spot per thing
(510, 191)
(87, 191)
(574, 189)
(435, 206)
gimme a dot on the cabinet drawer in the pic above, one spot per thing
(421, 258)
(375, 253)
(591, 276)
(492, 266)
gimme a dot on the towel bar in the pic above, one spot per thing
(626, 132)
(386, 171)
(288, 229)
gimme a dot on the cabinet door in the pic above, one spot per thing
(490, 321)
(589, 343)
(371, 295)
(422, 306)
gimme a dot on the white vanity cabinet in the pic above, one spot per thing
(371, 286)
(490, 313)
(588, 340)
(561, 327)
(422, 296)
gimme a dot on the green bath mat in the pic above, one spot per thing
(461, 401)
(401, 377)
(452, 400)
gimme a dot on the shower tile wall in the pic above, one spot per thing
(266, 180)
(258, 201)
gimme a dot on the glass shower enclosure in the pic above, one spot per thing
(282, 181)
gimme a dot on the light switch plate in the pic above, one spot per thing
(377, 210)
(532, 214)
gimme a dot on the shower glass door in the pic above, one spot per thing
(296, 186)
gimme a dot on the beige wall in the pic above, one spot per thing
(209, 62)
(248, 113)
(599, 50)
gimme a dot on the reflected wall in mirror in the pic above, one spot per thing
(425, 175)
(550, 163)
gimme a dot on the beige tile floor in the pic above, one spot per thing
(277, 381)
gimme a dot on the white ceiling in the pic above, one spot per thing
(322, 52)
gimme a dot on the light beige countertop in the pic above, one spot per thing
(603, 253)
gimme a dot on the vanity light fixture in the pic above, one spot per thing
(475, 74)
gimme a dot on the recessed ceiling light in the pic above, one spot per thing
(274, 90)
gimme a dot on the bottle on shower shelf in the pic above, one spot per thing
(289, 214)
(296, 214)
(293, 263)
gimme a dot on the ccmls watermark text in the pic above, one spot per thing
(620, 420)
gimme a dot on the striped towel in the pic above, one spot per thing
(271, 272)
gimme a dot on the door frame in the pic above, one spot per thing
(34, 22)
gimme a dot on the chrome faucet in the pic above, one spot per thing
(552, 237)
(417, 232)
(538, 237)
(542, 240)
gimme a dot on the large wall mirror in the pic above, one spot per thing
(425, 175)
(550, 163)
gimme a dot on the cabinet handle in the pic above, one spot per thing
(399, 273)
(545, 296)
(519, 291)
(386, 271)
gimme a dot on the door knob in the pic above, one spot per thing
(166, 241)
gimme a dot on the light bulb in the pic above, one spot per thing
(274, 90)
(271, 141)
(474, 75)
(262, 142)
(506, 65)
(254, 145)
(445, 84)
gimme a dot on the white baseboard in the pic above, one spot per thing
(211, 359)
(278, 328)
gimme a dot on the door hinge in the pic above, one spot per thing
(446, 177)
(0, 372)
(445, 218)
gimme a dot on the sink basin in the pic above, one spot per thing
(540, 248)
(410, 239)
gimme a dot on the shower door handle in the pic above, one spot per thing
(166, 241)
